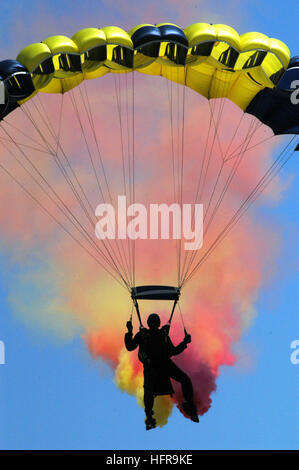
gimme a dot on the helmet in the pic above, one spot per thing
(153, 320)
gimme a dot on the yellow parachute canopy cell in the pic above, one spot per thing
(219, 62)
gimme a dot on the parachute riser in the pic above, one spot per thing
(172, 312)
(138, 312)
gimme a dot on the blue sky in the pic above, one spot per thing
(54, 396)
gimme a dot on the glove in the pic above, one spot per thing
(129, 326)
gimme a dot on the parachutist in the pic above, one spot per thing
(155, 351)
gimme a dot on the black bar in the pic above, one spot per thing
(144, 458)
(155, 293)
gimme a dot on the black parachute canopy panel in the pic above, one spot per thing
(277, 107)
(155, 293)
(17, 79)
(290, 75)
(6, 108)
(146, 35)
(274, 108)
(10, 67)
(18, 85)
(174, 34)
(14, 89)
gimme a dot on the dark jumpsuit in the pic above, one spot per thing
(155, 351)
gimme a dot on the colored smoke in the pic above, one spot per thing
(73, 294)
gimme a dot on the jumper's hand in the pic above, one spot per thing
(187, 338)
(129, 326)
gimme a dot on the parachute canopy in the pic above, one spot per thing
(252, 70)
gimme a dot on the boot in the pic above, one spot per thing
(150, 422)
(190, 409)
